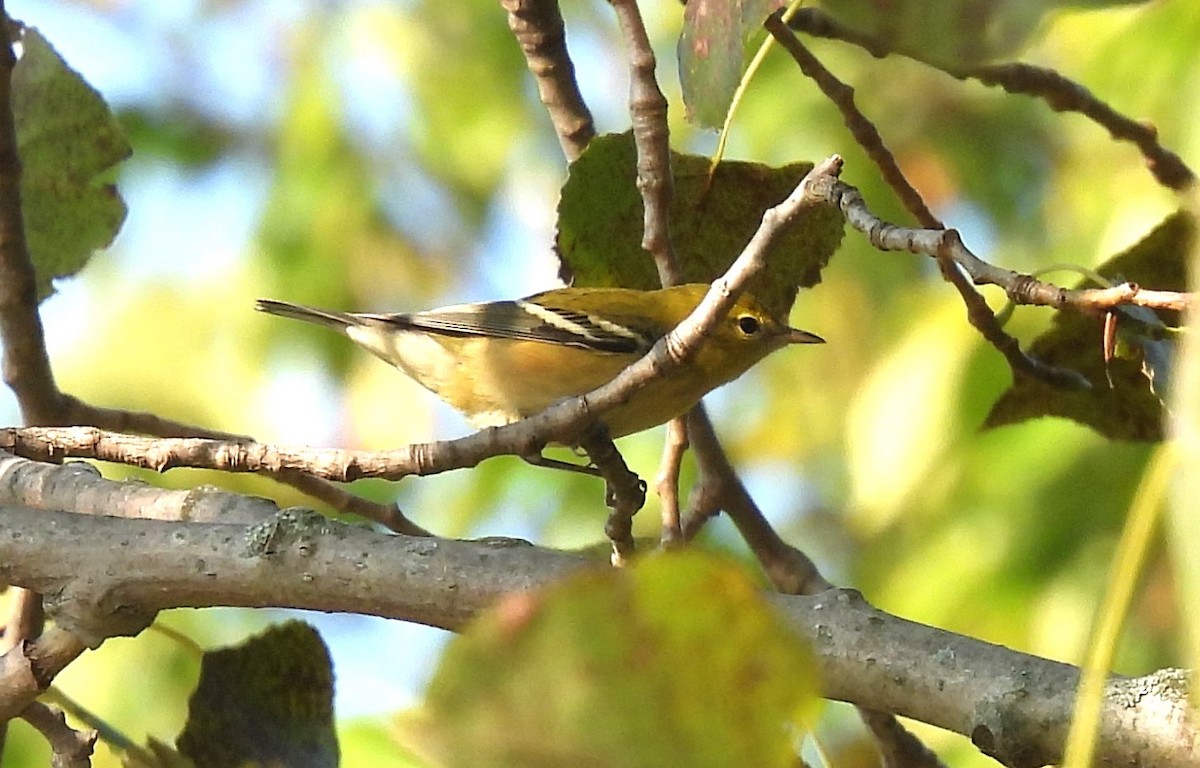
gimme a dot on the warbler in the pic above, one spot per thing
(498, 362)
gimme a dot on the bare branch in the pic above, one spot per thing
(28, 669)
(791, 571)
(26, 364)
(842, 95)
(79, 487)
(1065, 95)
(666, 484)
(297, 559)
(69, 748)
(861, 128)
(538, 27)
(651, 135)
(1020, 288)
(625, 493)
(656, 183)
(946, 246)
(1016, 707)
(140, 422)
(1061, 94)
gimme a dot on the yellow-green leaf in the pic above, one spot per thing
(677, 660)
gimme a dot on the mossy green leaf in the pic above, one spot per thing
(1125, 401)
(600, 222)
(69, 144)
(268, 701)
(677, 660)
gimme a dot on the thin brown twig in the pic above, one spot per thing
(656, 183)
(389, 516)
(901, 749)
(140, 422)
(69, 748)
(25, 621)
(26, 364)
(651, 135)
(791, 571)
(538, 28)
(28, 669)
(625, 493)
(675, 444)
(862, 129)
(1019, 287)
(978, 312)
(27, 368)
(1059, 92)
(984, 320)
(1065, 95)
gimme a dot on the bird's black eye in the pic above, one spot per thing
(748, 324)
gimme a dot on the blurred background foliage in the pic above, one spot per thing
(393, 155)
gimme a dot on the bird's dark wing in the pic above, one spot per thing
(527, 321)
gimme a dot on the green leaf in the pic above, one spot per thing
(1131, 407)
(268, 701)
(675, 661)
(600, 223)
(69, 144)
(712, 53)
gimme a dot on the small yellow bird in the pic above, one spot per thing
(498, 362)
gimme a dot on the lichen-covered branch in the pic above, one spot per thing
(110, 575)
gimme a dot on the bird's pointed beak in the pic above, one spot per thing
(797, 336)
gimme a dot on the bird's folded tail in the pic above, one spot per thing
(336, 320)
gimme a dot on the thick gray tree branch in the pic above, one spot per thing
(107, 576)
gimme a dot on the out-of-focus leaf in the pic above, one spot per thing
(69, 144)
(675, 661)
(712, 53)
(469, 113)
(1183, 524)
(322, 233)
(1157, 51)
(950, 33)
(1131, 408)
(1012, 141)
(178, 133)
(1101, 3)
(600, 223)
(266, 702)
